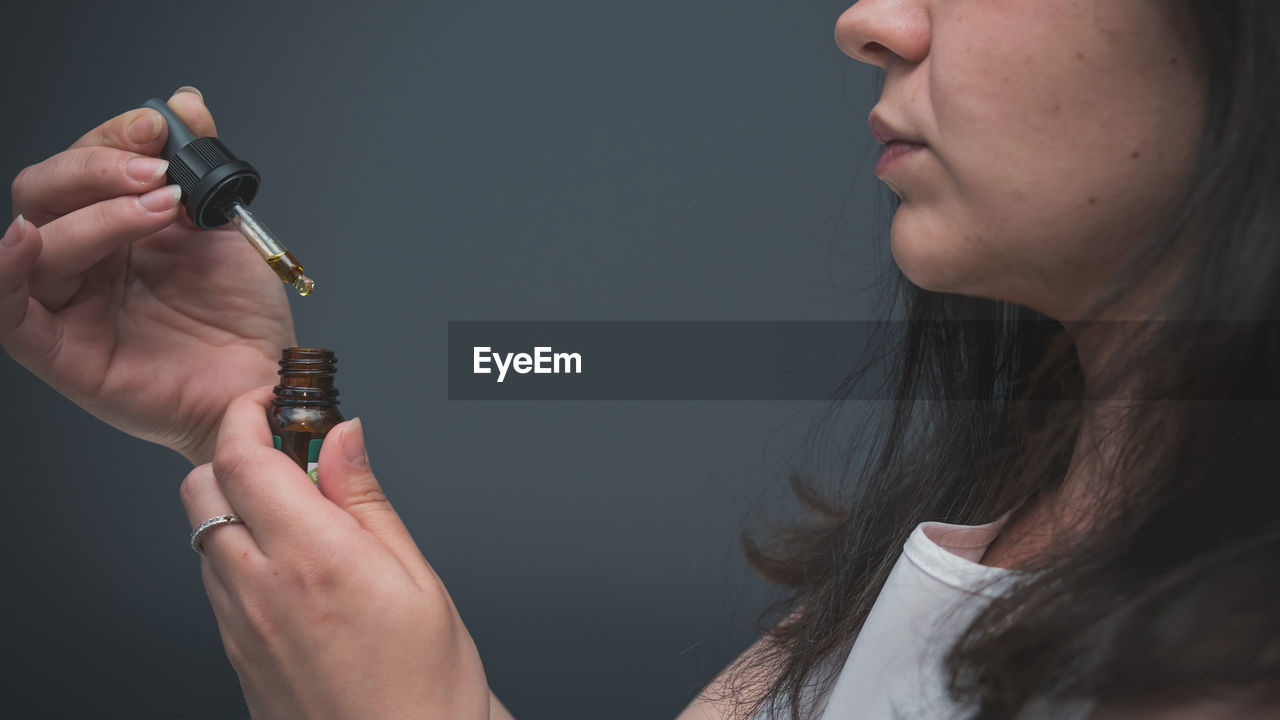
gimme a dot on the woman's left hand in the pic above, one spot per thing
(326, 607)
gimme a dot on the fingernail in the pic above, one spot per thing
(145, 169)
(14, 233)
(353, 444)
(189, 89)
(145, 128)
(161, 199)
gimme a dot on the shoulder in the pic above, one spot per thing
(717, 701)
(721, 699)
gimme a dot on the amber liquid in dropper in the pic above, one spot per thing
(287, 269)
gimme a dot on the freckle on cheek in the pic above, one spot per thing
(1173, 61)
(1093, 200)
(1135, 154)
(1080, 55)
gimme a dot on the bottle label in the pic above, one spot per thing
(313, 459)
(313, 452)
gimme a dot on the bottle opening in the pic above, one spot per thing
(306, 376)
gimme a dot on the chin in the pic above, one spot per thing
(930, 260)
(947, 259)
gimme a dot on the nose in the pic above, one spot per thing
(880, 32)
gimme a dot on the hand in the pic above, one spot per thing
(110, 294)
(325, 605)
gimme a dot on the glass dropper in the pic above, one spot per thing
(217, 188)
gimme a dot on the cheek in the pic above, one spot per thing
(1031, 230)
(1047, 166)
(1015, 104)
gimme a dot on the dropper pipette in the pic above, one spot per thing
(217, 188)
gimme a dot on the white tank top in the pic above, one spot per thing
(893, 669)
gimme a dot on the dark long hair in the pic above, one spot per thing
(1172, 592)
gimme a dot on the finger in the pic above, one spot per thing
(76, 242)
(195, 489)
(20, 246)
(231, 548)
(216, 589)
(143, 131)
(347, 480)
(28, 332)
(78, 177)
(229, 614)
(269, 490)
(189, 105)
(140, 130)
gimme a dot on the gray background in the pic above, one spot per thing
(500, 160)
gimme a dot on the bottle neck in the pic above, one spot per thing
(306, 378)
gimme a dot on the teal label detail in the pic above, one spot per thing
(313, 458)
(313, 452)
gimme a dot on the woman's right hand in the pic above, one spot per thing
(110, 294)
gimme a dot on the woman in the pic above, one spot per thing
(1082, 161)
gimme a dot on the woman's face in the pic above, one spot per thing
(1057, 132)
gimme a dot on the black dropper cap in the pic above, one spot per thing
(210, 175)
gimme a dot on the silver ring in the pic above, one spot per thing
(208, 525)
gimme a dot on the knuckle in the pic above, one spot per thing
(252, 571)
(229, 461)
(51, 349)
(259, 618)
(314, 574)
(235, 655)
(195, 484)
(105, 217)
(104, 167)
(313, 587)
(21, 182)
(115, 132)
(88, 164)
(322, 612)
(241, 470)
(438, 600)
(433, 605)
(367, 495)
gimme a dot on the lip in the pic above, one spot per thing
(894, 152)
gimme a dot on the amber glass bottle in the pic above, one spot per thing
(306, 404)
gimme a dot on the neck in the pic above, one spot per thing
(1070, 508)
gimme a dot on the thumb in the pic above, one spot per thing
(188, 103)
(345, 478)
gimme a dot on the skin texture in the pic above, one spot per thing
(1057, 132)
(325, 605)
(112, 296)
(109, 294)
